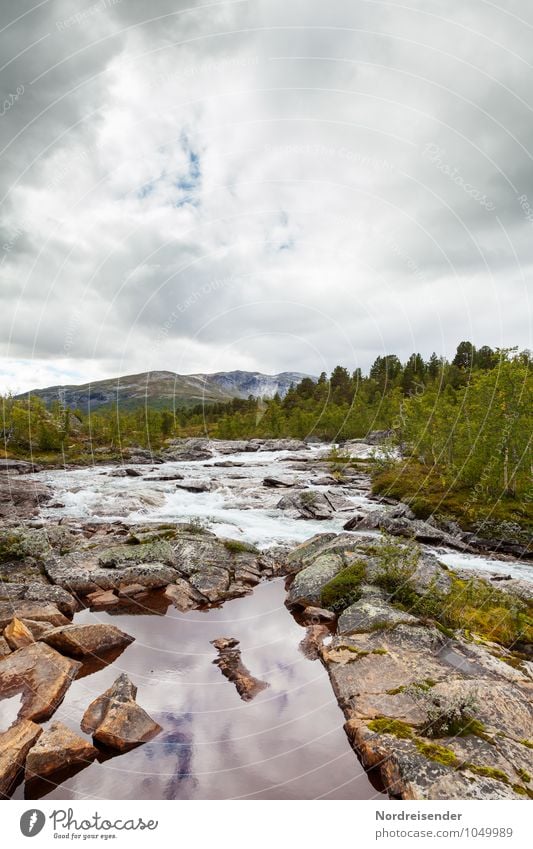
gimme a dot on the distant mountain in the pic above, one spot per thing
(167, 389)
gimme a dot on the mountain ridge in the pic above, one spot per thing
(167, 388)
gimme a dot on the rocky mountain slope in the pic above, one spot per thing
(168, 389)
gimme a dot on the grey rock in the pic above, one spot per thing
(308, 584)
(368, 614)
(212, 582)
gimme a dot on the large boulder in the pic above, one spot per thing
(308, 584)
(116, 720)
(56, 748)
(41, 675)
(20, 497)
(87, 640)
(368, 614)
(14, 746)
(35, 610)
(18, 635)
(212, 582)
(183, 596)
(84, 572)
(307, 504)
(40, 593)
(188, 449)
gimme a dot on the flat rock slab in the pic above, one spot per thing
(369, 614)
(38, 592)
(78, 574)
(14, 746)
(194, 486)
(116, 720)
(230, 664)
(212, 583)
(56, 748)
(87, 640)
(41, 675)
(278, 482)
(35, 610)
(183, 596)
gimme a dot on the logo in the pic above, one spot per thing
(32, 822)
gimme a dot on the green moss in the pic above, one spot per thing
(395, 691)
(520, 790)
(487, 772)
(379, 651)
(437, 753)
(235, 546)
(528, 743)
(524, 775)
(345, 588)
(386, 725)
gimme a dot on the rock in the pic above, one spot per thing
(14, 746)
(278, 482)
(4, 648)
(194, 486)
(40, 593)
(18, 635)
(230, 664)
(308, 584)
(282, 445)
(41, 675)
(21, 498)
(21, 467)
(308, 504)
(183, 596)
(312, 642)
(116, 720)
(174, 476)
(87, 640)
(370, 614)
(37, 629)
(37, 611)
(104, 598)
(211, 583)
(117, 473)
(314, 615)
(57, 747)
(402, 526)
(120, 556)
(188, 450)
(130, 590)
(228, 464)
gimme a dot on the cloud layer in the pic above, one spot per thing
(261, 184)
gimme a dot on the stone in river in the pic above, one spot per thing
(41, 675)
(56, 748)
(87, 640)
(116, 720)
(230, 664)
(14, 746)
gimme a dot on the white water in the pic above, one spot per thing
(237, 506)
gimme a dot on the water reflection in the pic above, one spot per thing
(288, 743)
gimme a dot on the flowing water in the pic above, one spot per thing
(288, 743)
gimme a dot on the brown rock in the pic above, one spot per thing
(86, 640)
(315, 615)
(37, 629)
(18, 635)
(230, 664)
(41, 674)
(21, 498)
(38, 611)
(14, 746)
(116, 720)
(4, 648)
(130, 590)
(312, 642)
(103, 598)
(183, 596)
(56, 748)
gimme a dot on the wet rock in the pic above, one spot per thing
(130, 590)
(278, 482)
(183, 596)
(21, 467)
(228, 464)
(14, 746)
(194, 486)
(56, 748)
(230, 664)
(370, 614)
(314, 615)
(174, 476)
(212, 582)
(18, 635)
(116, 720)
(311, 644)
(309, 583)
(103, 598)
(21, 498)
(308, 504)
(41, 675)
(37, 611)
(87, 640)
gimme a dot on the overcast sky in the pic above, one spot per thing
(261, 184)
